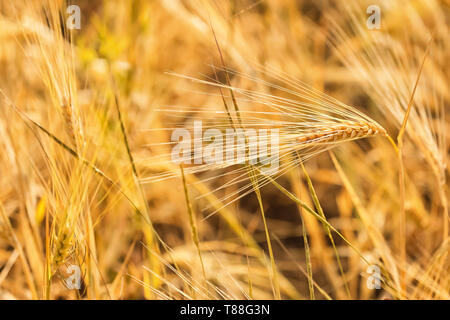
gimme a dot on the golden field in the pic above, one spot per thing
(358, 208)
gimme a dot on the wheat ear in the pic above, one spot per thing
(62, 246)
(342, 131)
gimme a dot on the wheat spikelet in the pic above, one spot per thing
(62, 246)
(67, 113)
(73, 124)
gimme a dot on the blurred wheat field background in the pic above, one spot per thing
(357, 210)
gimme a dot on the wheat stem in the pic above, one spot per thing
(192, 222)
(312, 191)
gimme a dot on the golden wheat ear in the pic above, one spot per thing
(344, 131)
(305, 120)
(62, 245)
